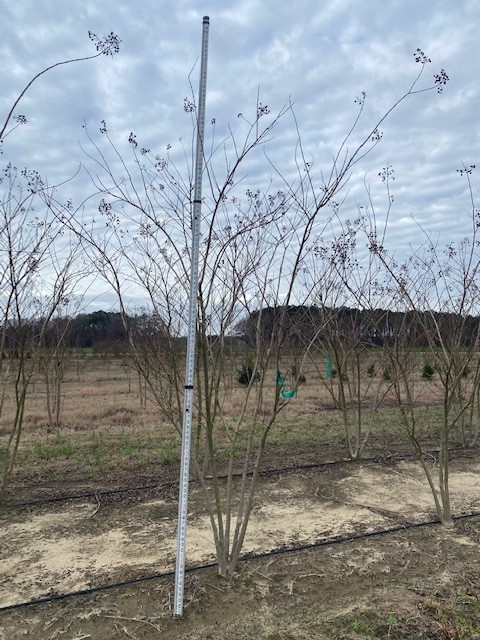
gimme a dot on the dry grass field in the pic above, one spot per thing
(110, 423)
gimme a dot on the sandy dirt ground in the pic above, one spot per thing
(56, 548)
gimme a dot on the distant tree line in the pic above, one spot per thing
(101, 331)
(373, 328)
(105, 332)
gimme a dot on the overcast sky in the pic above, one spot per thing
(322, 55)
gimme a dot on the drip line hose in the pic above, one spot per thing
(174, 483)
(245, 558)
(378, 459)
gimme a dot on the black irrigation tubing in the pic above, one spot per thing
(250, 556)
(174, 483)
(265, 472)
(90, 494)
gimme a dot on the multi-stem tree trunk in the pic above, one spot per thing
(52, 365)
(403, 364)
(22, 379)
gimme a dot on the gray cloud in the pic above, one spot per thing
(320, 55)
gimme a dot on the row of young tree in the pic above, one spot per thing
(260, 250)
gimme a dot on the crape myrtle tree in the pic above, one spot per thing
(346, 336)
(357, 384)
(440, 286)
(37, 280)
(436, 290)
(255, 244)
(455, 332)
(38, 258)
(54, 347)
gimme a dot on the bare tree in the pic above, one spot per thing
(37, 278)
(29, 243)
(350, 310)
(256, 244)
(437, 292)
(67, 271)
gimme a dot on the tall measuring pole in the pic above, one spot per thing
(191, 337)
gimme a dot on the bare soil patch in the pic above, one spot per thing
(348, 590)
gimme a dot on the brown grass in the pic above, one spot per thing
(106, 426)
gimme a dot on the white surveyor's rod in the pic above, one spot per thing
(191, 336)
